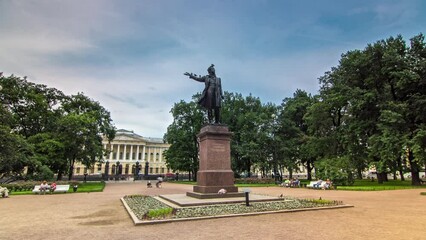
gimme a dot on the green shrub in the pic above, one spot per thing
(338, 170)
(159, 213)
(254, 181)
(423, 193)
(44, 173)
(29, 185)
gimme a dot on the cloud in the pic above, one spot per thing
(130, 56)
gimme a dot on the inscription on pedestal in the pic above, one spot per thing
(218, 148)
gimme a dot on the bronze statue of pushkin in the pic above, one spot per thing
(211, 98)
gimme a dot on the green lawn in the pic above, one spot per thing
(359, 185)
(368, 185)
(89, 187)
(82, 187)
(237, 185)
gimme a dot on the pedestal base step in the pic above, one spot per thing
(214, 195)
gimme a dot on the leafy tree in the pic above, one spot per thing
(15, 153)
(34, 107)
(182, 154)
(63, 129)
(250, 121)
(380, 92)
(81, 129)
(294, 129)
(49, 152)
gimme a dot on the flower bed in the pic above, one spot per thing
(149, 208)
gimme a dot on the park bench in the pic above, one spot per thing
(59, 188)
(314, 185)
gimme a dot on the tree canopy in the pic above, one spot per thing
(46, 131)
(370, 112)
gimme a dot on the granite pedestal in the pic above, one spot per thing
(215, 171)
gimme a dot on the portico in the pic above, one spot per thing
(129, 149)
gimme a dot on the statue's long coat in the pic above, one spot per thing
(211, 97)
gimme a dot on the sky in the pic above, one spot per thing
(130, 56)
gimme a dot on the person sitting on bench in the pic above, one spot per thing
(4, 192)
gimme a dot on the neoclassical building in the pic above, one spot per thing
(130, 149)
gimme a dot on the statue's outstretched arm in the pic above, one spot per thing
(194, 76)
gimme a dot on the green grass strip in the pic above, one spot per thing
(82, 187)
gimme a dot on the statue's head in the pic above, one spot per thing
(211, 70)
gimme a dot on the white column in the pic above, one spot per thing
(131, 152)
(149, 154)
(137, 152)
(118, 152)
(124, 152)
(143, 153)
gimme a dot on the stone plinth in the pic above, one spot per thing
(215, 170)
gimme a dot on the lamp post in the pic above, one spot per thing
(246, 193)
(106, 170)
(136, 177)
(117, 170)
(274, 147)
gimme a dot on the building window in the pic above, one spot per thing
(146, 157)
(156, 170)
(162, 170)
(157, 157)
(140, 156)
(121, 155)
(99, 167)
(151, 158)
(133, 155)
(127, 155)
(77, 171)
(92, 170)
(114, 155)
(150, 170)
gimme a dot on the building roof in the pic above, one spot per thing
(129, 133)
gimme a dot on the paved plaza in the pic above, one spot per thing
(398, 214)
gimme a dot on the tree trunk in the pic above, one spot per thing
(415, 179)
(194, 173)
(359, 173)
(400, 170)
(71, 169)
(248, 169)
(381, 177)
(309, 170)
(59, 177)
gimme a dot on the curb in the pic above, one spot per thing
(137, 221)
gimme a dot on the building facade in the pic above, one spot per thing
(129, 150)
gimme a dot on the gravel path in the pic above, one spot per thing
(398, 214)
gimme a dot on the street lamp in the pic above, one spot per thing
(136, 177)
(274, 153)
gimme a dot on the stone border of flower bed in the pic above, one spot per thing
(137, 221)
